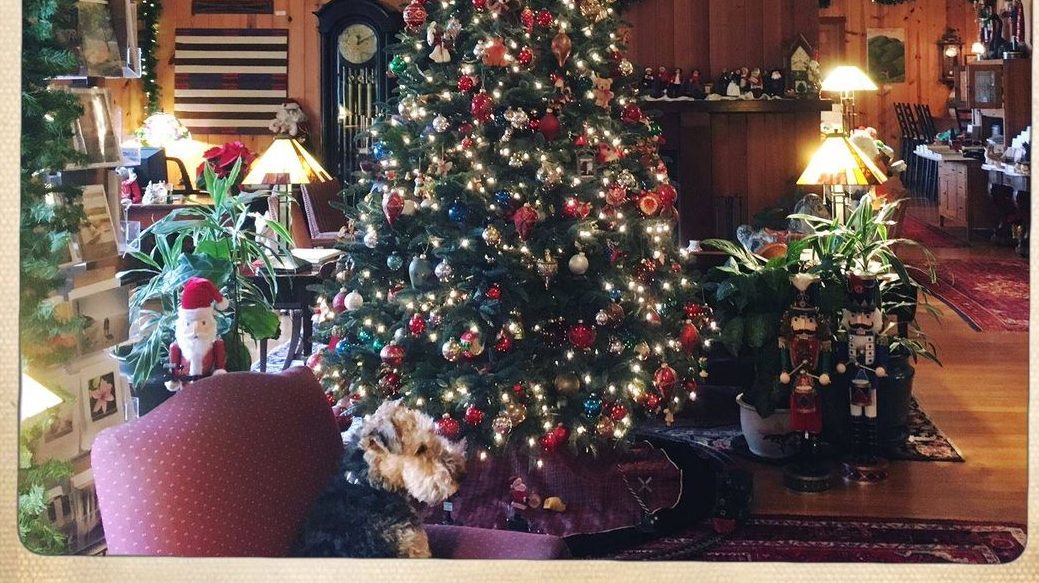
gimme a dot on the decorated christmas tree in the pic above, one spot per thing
(513, 267)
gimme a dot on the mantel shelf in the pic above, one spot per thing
(738, 105)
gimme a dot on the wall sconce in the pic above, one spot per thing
(950, 53)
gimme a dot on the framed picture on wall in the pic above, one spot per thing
(100, 397)
(886, 54)
(97, 234)
(61, 438)
(95, 134)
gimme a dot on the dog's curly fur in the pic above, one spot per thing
(394, 460)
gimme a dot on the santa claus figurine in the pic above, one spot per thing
(198, 352)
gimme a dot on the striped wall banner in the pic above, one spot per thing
(229, 80)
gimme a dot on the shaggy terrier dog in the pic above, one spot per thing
(394, 461)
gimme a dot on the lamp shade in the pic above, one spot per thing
(840, 162)
(846, 78)
(35, 398)
(160, 130)
(286, 161)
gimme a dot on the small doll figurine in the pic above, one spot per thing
(863, 354)
(756, 85)
(129, 190)
(442, 39)
(663, 80)
(674, 87)
(722, 83)
(805, 352)
(775, 83)
(696, 86)
(744, 80)
(648, 80)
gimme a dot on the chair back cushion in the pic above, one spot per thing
(230, 466)
(322, 217)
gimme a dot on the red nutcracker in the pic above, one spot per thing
(805, 349)
(198, 351)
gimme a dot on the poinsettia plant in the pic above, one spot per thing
(222, 159)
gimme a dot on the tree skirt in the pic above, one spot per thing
(925, 442)
(989, 294)
(837, 539)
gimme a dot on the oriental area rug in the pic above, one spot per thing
(989, 294)
(837, 539)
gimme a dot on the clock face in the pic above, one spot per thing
(358, 43)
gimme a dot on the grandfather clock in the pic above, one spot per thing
(354, 37)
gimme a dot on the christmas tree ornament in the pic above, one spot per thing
(392, 205)
(471, 344)
(458, 212)
(409, 208)
(549, 173)
(593, 10)
(515, 327)
(492, 236)
(642, 350)
(448, 427)
(493, 53)
(652, 316)
(689, 338)
(525, 57)
(604, 427)
(473, 415)
(651, 402)
(611, 315)
(314, 360)
(602, 91)
(466, 83)
(451, 350)
(616, 195)
(625, 67)
(632, 113)
(419, 271)
(394, 262)
(567, 383)
(578, 263)
(443, 270)
(501, 425)
(494, 292)
(517, 117)
(440, 124)
(482, 107)
(581, 336)
(503, 199)
(398, 65)
(516, 160)
(480, 4)
(392, 355)
(414, 16)
(690, 386)
(527, 19)
(343, 347)
(544, 18)
(665, 379)
(667, 195)
(516, 411)
(503, 343)
(547, 268)
(379, 151)
(592, 406)
(649, 203)
(549, 442)
(561, 47)
(524, 220)
(442, 39)
(416, 325)
(353, 301)
(615, 346)
(693, 311)
(548, 126)
(627, 180)
(434, 320)
(389, 383)
(339, 301)
(618, 412)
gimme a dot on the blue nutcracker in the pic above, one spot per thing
(863, 355)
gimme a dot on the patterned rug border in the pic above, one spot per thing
(974, 313)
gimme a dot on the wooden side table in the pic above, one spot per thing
(1015, 192)
(961, 199)
(295, 296)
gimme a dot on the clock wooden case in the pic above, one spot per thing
(354, 37)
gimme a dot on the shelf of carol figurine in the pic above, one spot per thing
(741, 83)
(680, 105)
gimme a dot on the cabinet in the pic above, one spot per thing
(962, 196)
(1002, 89)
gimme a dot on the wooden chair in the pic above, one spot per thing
(323, 221)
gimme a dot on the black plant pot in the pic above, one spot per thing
(893, 398)
(152, 393)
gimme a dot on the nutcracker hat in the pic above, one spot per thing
(806, 291)
(199, 292)
(863, 292)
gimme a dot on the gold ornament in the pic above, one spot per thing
(501, 425)
(568, 383)
(604, 427)
(547, 268)
(642, 350)
(515, 327)
(611, 315)
(561, 47)
(492, 236)
(517, 412)
(593, 10)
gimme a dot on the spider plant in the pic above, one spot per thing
(217, 243)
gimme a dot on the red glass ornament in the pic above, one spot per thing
(652, 401)
(392, 206)
(465, 128)
(416, 325)
(414, 16)
(544, 18)
(390, 382)
(616, 195)
(494, 292)
(561, 433)
(473, 415)
(549, 126)
(534, 124)
(525, 57)
(339, 303)
(618, 412)
(466, 83)
(314, 360)
(581, 336)
(392, 355)
(482, 106)
(689, 337)
(649, 203)
(331, 398)
(333, 340)
(581, 141)
(524, 219)
(448, 427)
(692, 310)
(665, 379)
(527, 19)
(690, 387)
(504, 343)
(667, 195)
(631, 113)
(480, 4)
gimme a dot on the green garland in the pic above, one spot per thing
(150, 11)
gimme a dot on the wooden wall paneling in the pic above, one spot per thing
(697, 217)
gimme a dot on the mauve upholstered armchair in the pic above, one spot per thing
(230, 467)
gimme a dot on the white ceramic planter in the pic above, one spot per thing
(766, 436)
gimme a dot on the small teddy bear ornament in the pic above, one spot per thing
(198, 351)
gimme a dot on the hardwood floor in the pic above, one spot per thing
(979, 398)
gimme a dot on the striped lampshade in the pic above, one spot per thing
(286, 161)
(840, 162)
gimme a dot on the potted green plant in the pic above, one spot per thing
(214, 242)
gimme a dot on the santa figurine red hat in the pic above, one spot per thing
(198, 351)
